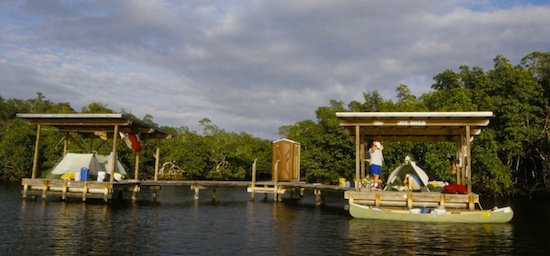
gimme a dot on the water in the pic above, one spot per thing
(176, 224)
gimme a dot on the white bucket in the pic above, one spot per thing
(100, 176)
(77, 176)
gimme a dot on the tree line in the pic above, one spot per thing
(510, 157)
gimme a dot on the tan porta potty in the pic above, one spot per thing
(287, 152)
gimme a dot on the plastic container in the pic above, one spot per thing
(415, 210)
(118, 176)
(424, 209)
(100, 176)
(84, 173)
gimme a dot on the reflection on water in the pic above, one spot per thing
(385, 237)
(179, 225)
(283, 232)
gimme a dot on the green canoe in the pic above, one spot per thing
(495, 215)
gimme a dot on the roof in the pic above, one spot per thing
(414, 126)
(89, 124)
(285, 140)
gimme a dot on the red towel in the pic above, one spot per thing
(136, 146)
(456, 189)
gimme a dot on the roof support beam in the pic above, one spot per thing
(357, 157)
(136, 167)
(469, 152)
(35, 158)
(157, 159)
(113, 156)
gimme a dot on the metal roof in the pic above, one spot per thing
(89, 124)
(414, 126)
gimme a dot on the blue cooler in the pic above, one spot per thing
(84, 174)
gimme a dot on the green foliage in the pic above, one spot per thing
(18, 138)
(15, 153)
(491, 176)
(513, 152)
(96, 107)
(217, 154)
(326, 152)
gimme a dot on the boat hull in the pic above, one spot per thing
(500, 215)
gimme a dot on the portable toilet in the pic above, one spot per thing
(287, 152)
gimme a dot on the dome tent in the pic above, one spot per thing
(408, 167)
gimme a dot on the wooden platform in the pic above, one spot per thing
(413, 199)
(75, 189)
(65, 189)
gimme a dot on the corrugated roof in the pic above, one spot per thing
(89, 124)
(414, 126)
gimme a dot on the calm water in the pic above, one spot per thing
(232, 225)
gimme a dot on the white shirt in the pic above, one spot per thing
(376, 156)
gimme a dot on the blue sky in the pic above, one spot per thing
(250, 66)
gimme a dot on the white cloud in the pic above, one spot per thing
(250, 66)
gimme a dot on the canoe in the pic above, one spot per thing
(494, 215)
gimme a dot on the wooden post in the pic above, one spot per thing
(35, 159)
(469, 153)
(84, 191)
(458, 160)
(463, 157)
(113, 157)
(25, 188)
(197, 189)
(154, 195)
(362, 161)
(357, 157)
(471, 204)
(136, 167)
(253, 185)
(45, 188)
(134, 193)
(275, 181)
(64, 190)
(105, 192)
(318, 196)
(157, 159)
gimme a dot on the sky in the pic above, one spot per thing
(251, 66)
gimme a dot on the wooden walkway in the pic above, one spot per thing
(65, 189)
(84, 190)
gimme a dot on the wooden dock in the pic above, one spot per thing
(65, 189)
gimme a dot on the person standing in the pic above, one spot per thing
(376, 161)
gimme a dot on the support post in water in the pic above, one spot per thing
(275, 181)
(252, 192)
